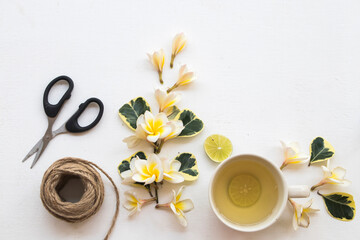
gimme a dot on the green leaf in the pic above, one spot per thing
(321, 150)
(192, 124)
(131, 111)
(172, 112)
(125, 164)
(340, 205)
(188, 166)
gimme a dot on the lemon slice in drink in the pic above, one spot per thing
(244, 190)
(218, 147)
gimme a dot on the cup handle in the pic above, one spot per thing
(299, 191)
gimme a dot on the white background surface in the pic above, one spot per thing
(267, 70)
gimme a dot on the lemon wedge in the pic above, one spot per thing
(218, 147)
(244, 190)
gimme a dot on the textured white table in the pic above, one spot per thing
(267, 70)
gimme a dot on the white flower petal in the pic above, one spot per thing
(135, 210)
(172, 207)
(149, 119)
(153, 158)
(185, 205)
(140, 120)
(174, 196)
(185, 77)
(178, 44)
(160, 95)
(132, 164)
(130, 196)
(162, 116)
(308, 203)
(333, 181)
(295, 221)
(183, 70)
(126, 174)
(302, 157)
(128, 180)
(174, 177)
(326, 171)
(179, 193)
(165, 164)
(294, 146)
(175, 165)
(140, 166)
(182, 220)
(140, 133)
(166, 100)
(166, 130)
(157, 59)
(339, 172)
(312, 210)
(153, 138)
(128, 205)
(304, 220)
(131, 141)
(137, 177)
(150, 180)
(290, 153)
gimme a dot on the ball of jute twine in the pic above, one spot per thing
(56, 177)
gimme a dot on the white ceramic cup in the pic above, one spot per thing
(298, 191)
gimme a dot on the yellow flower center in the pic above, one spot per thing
(154, 127)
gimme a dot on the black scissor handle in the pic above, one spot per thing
(72, 124)
(50, 109)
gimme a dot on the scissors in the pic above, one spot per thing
(70, 126)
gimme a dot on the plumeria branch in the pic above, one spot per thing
(158, 146)
(301, 211)
(292, 154)
(148, 187)
(156, 192)
(133, 203)
(335, 177)
(157, 59)
(179, 207)
(179, 42)
(185, 77)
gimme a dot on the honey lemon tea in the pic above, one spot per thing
(245, 192)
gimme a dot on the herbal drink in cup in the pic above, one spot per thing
(248, 193)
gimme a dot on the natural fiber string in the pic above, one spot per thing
(56, 177)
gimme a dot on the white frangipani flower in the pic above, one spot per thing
(155, 127)
(148, 171)
(292, 154)
(166, 100)
(335, 176)
(301, 218)
(158, 59)
(133, 203)
(179, 207)
(185, 77)
(171, 171)
(178, 44)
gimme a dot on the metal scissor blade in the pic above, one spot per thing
(42, 147)
(33, 150)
